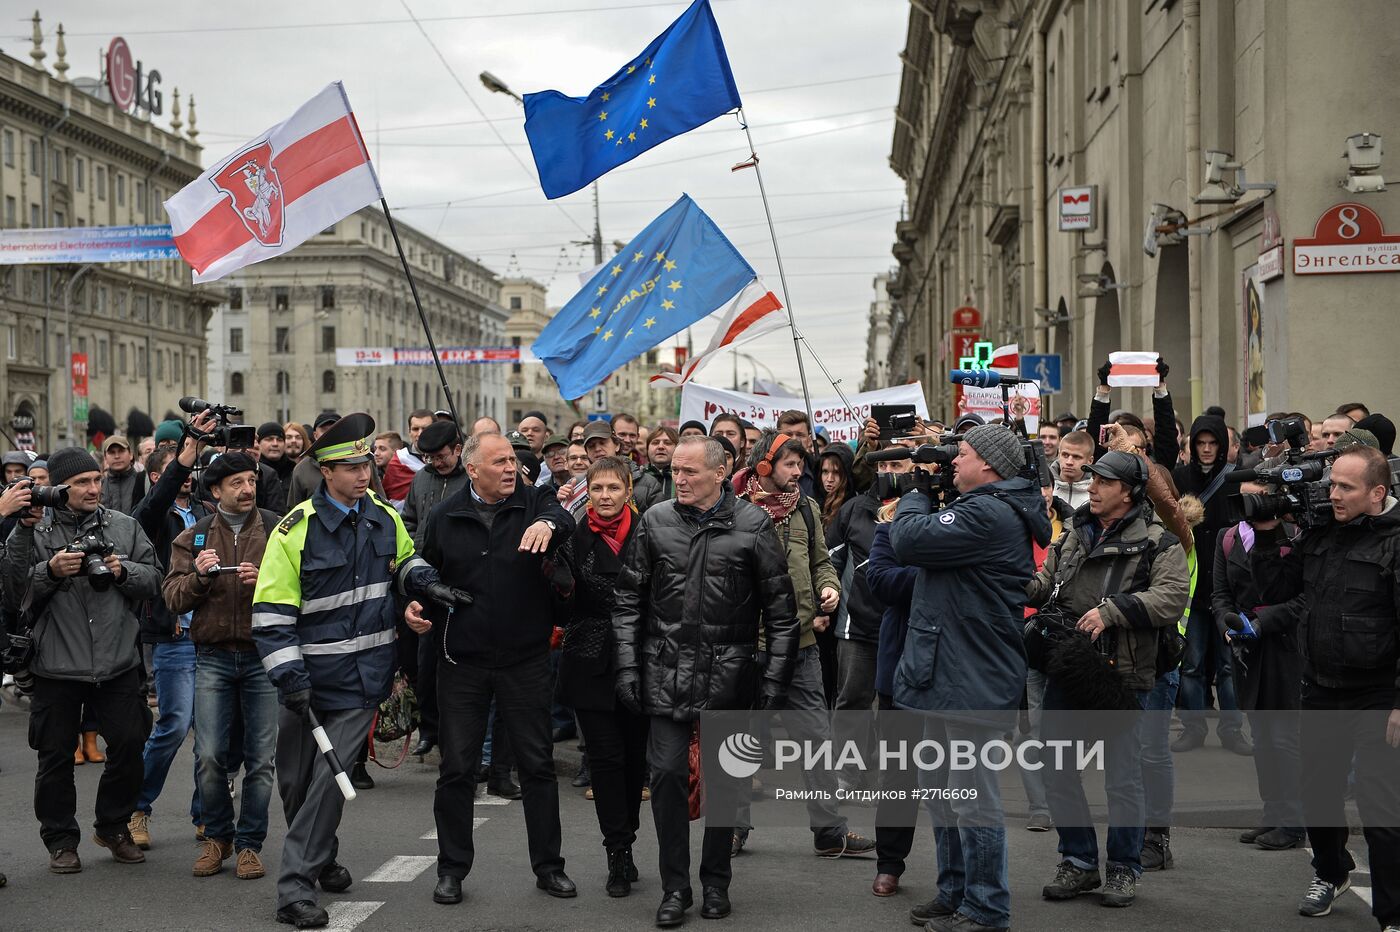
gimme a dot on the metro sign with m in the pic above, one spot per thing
(1079, 208)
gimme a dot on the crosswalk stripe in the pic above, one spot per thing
(402, 868)
(431, 834)
(489, 800)
(1363, 892)
(346, 915)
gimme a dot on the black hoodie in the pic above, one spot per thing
(1193, 478)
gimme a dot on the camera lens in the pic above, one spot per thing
(98, 573)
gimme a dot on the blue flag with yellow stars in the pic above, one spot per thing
(676, 271)
(680, 81)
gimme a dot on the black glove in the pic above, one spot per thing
(297, 701)
(1163, 368)
(629, 691)
(1103, 373)
(771, 695)
(446, 596)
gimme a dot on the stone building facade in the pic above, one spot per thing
(1005, 103)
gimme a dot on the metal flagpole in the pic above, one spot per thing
(782, 278)
(423, 317)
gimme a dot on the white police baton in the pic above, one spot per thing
(323, 742)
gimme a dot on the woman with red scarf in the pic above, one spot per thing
(616, 738)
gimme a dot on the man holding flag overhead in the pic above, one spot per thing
(678, 82)
(679, 269)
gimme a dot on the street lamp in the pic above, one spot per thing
(496, 86)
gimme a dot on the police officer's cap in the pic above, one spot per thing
(346, 441)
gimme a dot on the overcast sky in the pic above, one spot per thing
(818, 78)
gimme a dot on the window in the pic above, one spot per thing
(515, 304)
(121, 190)
(58, 164)
(235, 299)
(235, 339)
(121, 305)
(34, 157)
(141, 367)
(281, 341)
(9, 148)
(281, 298)
(11, 342)
(283, 382)
(121, 358)
(235, 383)
(59, 218)
(160, 364)
(140, 196)
(11, 209)
(80, 173)
(328, 339)
(82, 345)
(99, 181)
(328, 380)
(178, 361)
(327, 296)
(101, 307)
(102, 365)
(515, 391)
(34, 216)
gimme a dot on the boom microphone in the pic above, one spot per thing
(890, 455)
(984, 378)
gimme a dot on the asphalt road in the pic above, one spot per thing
(386, 842)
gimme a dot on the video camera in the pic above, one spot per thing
(95, 551)
(227, 434)
(46, 496)
(1302, 482)
(936, 485)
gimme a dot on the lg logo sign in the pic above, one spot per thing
(125, 81)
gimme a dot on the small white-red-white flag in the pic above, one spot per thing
(753, 311)
(290, 183)
(1133, 369)
(1006, 360)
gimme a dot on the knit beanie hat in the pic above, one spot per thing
(169, 430)
(1383, 428)
(999, 447)
(68, 462)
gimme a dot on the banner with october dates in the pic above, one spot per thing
(87, 245)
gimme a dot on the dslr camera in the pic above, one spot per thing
(46, 496)
(95, 550)
(225, 434)
(1301, 484)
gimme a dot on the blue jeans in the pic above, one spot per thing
(1034, 780)
(173, 669)
(1158, 777)
(1206, 654)
(229, 683)
(1079, 843)
(969, 834)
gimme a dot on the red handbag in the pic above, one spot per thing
(697, 776)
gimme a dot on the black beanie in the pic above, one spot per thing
(68, 462)
(1384, 429)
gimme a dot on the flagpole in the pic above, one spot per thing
(423, 317)
(782, 277)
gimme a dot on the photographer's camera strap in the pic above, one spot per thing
(1217, 482)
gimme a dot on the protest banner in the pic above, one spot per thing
(1023, 400)
(703, 402)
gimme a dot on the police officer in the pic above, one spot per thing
(323, 621)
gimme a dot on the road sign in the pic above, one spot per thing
(1043, 368)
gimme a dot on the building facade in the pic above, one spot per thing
(529, 386)
(877, 337)
(274, 337)
(69, 158)
(1010, 109)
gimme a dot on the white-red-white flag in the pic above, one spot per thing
(753, 311)
(1128, 369)
(1006, 360)
(290, 183)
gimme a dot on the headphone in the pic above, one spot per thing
(1138, 492)
(765, 465)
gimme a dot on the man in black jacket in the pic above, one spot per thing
(1206, 657)
(1349, 636)
(491, 539)
(702, 575)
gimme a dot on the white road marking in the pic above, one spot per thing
(431, 835)
(402, 868)
(489, 800)
(346, 915)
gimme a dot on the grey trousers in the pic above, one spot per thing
(311, 802)
(855, 693)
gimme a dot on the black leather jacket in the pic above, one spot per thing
(691, 598)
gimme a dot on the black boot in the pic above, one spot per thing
(629, 866)
(617, 875)
(360, 778)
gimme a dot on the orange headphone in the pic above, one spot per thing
(765, 465)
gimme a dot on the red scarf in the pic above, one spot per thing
(614, 532)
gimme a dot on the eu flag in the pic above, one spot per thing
(680, 81)
(676, 271)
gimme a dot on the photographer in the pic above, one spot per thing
(963, 659)
(84, 571)
(1349, 638)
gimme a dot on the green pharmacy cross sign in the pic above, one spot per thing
(981, 357)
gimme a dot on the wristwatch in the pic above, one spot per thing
(549, 524)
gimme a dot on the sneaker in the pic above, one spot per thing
(1279, 839)
(1119, 887)
(848, 845)
(933, 909)
(1156, 850)
(960, 922)
(1190, 739)
(1039, 822)
(140, 829)
(1320, 896)
(250, 866)
(1070, 881)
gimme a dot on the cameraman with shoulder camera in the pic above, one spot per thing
(87, 572)
(963, 658)
(1349, 636)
